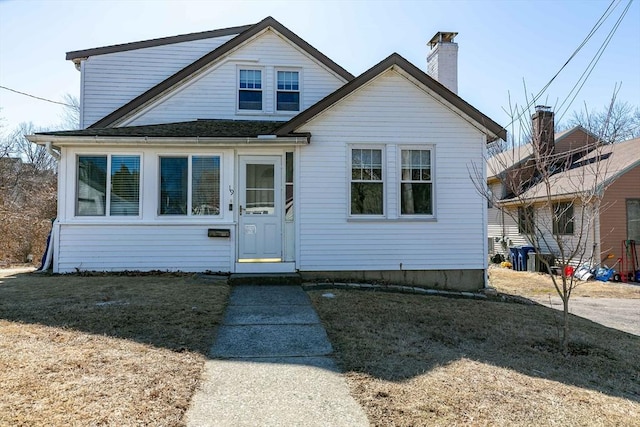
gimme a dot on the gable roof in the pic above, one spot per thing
(597, 168)
(493, 130)
(80, 54)
(212, 56)
(519, 154)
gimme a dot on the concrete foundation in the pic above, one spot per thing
(457, 280)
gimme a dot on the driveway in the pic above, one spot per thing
(618, 313)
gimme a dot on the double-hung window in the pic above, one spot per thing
(367, 185)
(563, 218)
(288, 91)
(189, 185)
(416, 184)
(108, 185)
(250, 90)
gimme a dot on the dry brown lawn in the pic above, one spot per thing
(529, 284)
(110, 350)
(424, 360)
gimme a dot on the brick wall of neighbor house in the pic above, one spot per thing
(613, 219)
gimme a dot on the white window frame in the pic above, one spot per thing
(240, 68)
(385, 208)
(276, 90)
(189, 213)
(425, 147)
(107, 208)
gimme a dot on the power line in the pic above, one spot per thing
(595, 27)
(36, 97)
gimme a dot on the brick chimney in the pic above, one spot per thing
(442, 61)
(542, 130)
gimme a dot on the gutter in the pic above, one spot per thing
(64, 140)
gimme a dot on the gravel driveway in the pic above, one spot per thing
(619, 313)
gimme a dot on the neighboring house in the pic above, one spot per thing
(583, 165)
(247, 150)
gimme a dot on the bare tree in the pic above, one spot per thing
(71, 112)
(33, 154)
(553, 197)
(616, 122)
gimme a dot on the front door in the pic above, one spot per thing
(260, 213)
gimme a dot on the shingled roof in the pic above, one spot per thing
(198, 128)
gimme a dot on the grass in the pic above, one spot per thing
(421, 361)
(106, 350)
(529, 284)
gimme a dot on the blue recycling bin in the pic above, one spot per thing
(523, 255)
(513, 257)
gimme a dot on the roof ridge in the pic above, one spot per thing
(391, 60)
(123, 47)
(212, 56)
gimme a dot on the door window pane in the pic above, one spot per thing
(260, 189)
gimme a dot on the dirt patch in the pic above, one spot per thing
(419, 360)
(103, 350)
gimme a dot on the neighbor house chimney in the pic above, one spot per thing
(542, 129)
(442, 61)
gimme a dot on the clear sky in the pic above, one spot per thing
(503, 45)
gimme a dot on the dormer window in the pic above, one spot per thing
(250, 90)
(288, 91)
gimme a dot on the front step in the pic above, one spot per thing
(292, 279)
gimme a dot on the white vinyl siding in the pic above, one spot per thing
(213, 94)
(109, 81)
(166, 247)
(390, 110)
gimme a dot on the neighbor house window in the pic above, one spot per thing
(108, 185)
(190, 185)
(633, 219)
(416, 184)
(288, 91)
(367, 188)
(250, 90)
(525, 220)
(563, 218)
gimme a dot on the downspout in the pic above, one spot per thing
(55, 154)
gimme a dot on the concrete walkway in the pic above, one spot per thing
(271, 366)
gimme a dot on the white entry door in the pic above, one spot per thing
(260, 212)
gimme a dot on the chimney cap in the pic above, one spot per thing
(544, 108)
(441, 37)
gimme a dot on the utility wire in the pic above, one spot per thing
(594, 61)
(36, 97)
(595, 28)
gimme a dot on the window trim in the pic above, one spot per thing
(108, 186)
(420, 147)
(276, 90)
(385, 207)
(262, 90)
(189, 215)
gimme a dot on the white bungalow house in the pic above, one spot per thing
(247, 150)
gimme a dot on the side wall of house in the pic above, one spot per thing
(214, 94)
(391, 113)
(613, 218)
(110, 81)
